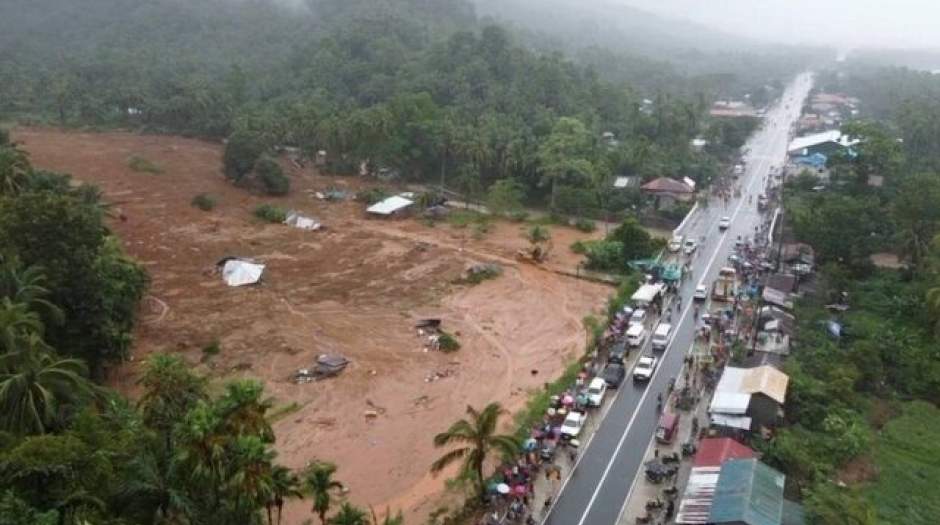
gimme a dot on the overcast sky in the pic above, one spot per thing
(854, 23)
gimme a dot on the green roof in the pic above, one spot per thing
(748, 492)
(792, 513)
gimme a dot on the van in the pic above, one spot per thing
(636, 335)
(676, 243)
(661, 336)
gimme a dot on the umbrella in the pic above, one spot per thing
(530, 444)
(520, 490)
(656, 468)
(550, 411)
(492, 487)
(502, 488)
(567, 400)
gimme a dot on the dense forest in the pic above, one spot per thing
(426, 89)
(861, 445)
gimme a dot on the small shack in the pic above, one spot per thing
(749, 398)
(396, 205)
(302, 222)
(668, 191)
(749, 492)
(699, 493)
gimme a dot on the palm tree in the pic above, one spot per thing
(243, 410)
(14, 170)
(389, 519)
(349, 515)
(152, 484)
(17, 322)
(478, 435)
(319, 484)
(171, 389)
(284, 485)
(248, 473)
(200, 449)
(36, 387)
(27, 287)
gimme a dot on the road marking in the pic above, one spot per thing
(646, 392)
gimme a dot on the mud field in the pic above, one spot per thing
(356, 288)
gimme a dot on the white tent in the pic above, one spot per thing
(390, 205)
(646, 293)
(239, 273)
(300, 221)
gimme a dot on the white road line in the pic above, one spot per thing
(646, 392)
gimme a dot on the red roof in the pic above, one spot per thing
(667, 185)
(712, 452)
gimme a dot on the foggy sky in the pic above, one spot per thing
(838, 23)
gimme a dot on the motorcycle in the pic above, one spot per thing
(654, 504)
(673, 458)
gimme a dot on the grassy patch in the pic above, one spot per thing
(585, 225)
(907, 455)
(204, 202)
(270, 213)
(539, 402)
(464, 218)
(142, 165)
(211, 349)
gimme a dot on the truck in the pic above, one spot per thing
(725, 286)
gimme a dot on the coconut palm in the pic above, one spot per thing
(17, 322)
(171, 389)
(200, 448)
(26, 286)
(152, 484)
(284, 485)
(14, 170)
(477, 434)
(349, 515)
(36, 388)
(319, 484)
(243, 409)
(248, 473)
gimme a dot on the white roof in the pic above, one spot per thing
(621, 182)
(699, 143)
(390, 205)
(801, 143)
(239, 273)
(689, 182)
(597, 383)
(726, 420)
(647, 293)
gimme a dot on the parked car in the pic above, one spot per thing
(661, 336)
(724, 223)
(636, 336)
(690, 246)
(618, 353)
(675, 244)
(573, 424)
(701, 293)
(645, 366)
(637, 317)
(596, 391)
(613, 374)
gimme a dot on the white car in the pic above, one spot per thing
(596, 391)
(675, 244)
(574, 421)
(701, 293)
(690, 247)
(724, 223)
(645, 366)
(637, 317)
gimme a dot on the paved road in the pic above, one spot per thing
(604, 475)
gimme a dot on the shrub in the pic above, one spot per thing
(270, 213)
(241, 151)
(579, 247)
(211, 349)
(143, 165)
(478, 273)
(585, 225)
(203, 201)
(518, 216)
(448, 343)
(271, 176)
(371, 195)
(605, 256)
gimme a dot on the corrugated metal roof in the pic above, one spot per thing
(390, 205)
(667, 185)
(748, 492)
(768, 381)
(712, 452)
(727, 420)
(800, 143)
(732, 394)
(697, 498)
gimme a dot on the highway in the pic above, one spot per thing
(610, 462)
